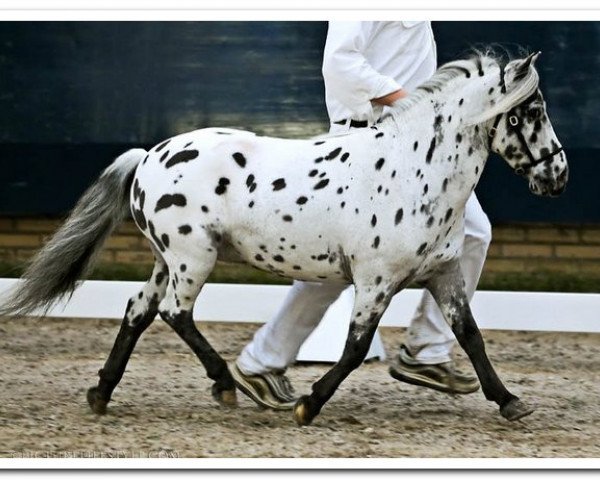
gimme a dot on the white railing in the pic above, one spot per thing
(528, 311)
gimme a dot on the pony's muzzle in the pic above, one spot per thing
(549, 181)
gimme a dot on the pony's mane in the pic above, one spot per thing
(526, 83)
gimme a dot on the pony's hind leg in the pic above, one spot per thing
(186, 280)
(141, 311)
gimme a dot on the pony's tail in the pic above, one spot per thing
(70, 254)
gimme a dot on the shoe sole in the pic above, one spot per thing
(247, 389)
(422, 381)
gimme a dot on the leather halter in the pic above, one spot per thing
(514, 123)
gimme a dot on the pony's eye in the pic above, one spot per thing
(535, 113)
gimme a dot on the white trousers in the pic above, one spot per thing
(430, 339)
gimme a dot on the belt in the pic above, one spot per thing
(353, 123)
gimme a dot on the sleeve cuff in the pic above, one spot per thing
(387, 85)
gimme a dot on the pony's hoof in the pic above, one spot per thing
(227, 398)
(302, 411)
(515, 409)
(97, 403)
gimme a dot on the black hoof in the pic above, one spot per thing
(305, 411)
(97, 403)
(227, 398)
(515, 409)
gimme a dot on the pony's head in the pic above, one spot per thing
(522, 133)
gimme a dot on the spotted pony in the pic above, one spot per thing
(377, 208)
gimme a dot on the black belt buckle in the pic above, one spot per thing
(353, 123)
(358, 124)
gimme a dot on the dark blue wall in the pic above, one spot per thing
(75, 94)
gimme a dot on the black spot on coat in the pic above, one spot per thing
(162, 145)
(168, 200)
(430, 151)
(184, 229)
(333, 154)
(140, 219)
(398, 217)
(222, 186)
(181, 157)
(239, 159)
(157, 240)
(448, 215)
(322, 184)
(278, 184)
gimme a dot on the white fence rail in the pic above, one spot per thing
(567, 312)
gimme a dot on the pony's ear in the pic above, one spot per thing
(529, 61)
(519, 69)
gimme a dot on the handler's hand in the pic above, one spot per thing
(391, 97)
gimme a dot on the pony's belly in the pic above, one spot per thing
(298, 265)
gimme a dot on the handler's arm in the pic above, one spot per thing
(346, 69)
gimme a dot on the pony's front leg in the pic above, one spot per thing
(369, 305)
(447, 289)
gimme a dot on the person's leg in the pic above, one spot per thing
(259, 370)
(426, 357)
(276, 344)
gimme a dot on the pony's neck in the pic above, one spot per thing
(442, 113)
(469, 88)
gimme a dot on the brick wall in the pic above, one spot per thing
(516, 248)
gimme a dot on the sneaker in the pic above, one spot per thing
(269, 390)
(442, 376)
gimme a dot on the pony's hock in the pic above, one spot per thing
(378, 208)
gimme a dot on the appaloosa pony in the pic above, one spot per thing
(377, 208)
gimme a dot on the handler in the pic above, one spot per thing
(367, 66)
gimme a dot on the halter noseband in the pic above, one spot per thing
(513, 123)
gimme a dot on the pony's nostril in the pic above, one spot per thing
(558, 190)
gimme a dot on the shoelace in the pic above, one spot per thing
(284, 386)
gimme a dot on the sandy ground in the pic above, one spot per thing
(163, 405)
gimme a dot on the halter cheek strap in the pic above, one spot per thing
(513, 125)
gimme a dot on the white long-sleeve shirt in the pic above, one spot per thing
(367, 60)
